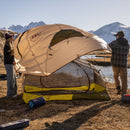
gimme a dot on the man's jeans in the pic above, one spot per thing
(11, 80)
(122, 73)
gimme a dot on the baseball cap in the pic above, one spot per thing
(7, 36)
(120, 33)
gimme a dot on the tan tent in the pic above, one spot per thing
(76, 80)
(46, 54)
(45, 49)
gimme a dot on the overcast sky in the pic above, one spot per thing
(84, 14)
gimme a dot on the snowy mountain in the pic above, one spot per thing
(107, 32)
(20, 29)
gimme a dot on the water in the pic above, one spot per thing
(106, 71)
(107, 74)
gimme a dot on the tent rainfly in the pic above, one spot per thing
(48, 55)
(43, 50)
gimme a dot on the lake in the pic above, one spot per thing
(106, 71)
(107, 74)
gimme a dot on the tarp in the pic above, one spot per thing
(45, 49)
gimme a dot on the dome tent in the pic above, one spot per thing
(43, 52)
(76, 80)
(44, 49)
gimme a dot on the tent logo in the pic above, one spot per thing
(35, 36)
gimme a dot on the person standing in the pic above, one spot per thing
(120, 50)
(9, 63)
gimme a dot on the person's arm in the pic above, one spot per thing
(111, 45)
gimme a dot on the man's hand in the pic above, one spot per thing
(14, 63)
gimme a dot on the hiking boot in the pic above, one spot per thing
(118, 90)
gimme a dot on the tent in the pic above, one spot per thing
(48, 56)
(43, 50)
(76, 80)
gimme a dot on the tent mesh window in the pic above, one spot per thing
(73, 75)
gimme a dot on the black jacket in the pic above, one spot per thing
(120, 50)
(8, 58)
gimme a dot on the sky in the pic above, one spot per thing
(84, 14)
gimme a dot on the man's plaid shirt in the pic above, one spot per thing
(120, 50)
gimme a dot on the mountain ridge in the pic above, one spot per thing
(106, 32)
(20, 29)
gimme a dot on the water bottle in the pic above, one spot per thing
(36, 102)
